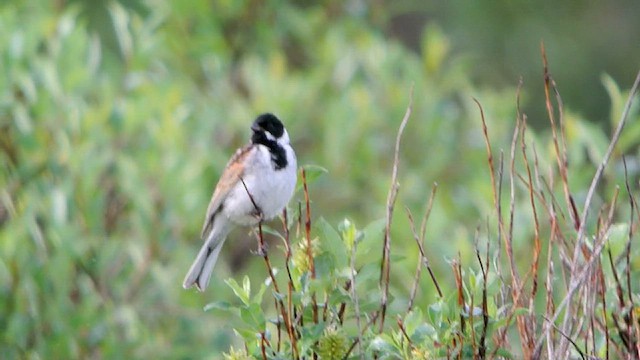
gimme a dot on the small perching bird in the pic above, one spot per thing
(256, 185)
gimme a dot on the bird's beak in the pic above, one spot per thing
(255, 128)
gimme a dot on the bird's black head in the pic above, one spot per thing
(269, 131)
(268, 123)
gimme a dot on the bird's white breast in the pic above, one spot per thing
(270, 189)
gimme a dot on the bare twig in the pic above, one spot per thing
(354, 295)
(574, 285)
(587, 203)
(391, 198)
(423, 261)
(502, 336)
(263, 346)
(550, 304)
(307, 228)
(627, 251)
(290, 285)
(457, 274)
(497, 196)
(404, 332)
(536, 229)
(421, 258)
(262, 251)
(561, 154)
(568, 338)
(423, 229)
(523, 323)
(503, 297)
(603, 300)
(482, 350)
(287, 248)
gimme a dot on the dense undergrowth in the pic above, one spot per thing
(574, 296)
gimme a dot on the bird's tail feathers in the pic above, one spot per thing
(200, 272)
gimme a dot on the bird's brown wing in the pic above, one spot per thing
(232, 174)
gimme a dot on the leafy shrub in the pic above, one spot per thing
(331, 308)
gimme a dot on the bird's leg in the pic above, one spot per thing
(262, 245)
(258, 214)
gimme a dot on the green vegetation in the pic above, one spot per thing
(117, 117)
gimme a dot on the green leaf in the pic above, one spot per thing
(121, 19)
(617, 101)
(220, 305)
(503, 321)
(313, 331)
(253, 316)
(248, 335)
(372, 239)
(333, 244)
(422, 333)
(617, 236)
(312, 173)
(325, 265)
(370, 302)
(383, 344)
(278, 296)
(257, 298)
(594, 139)
(339, 295)
(268, 230)
(350, 234)
(246, 285)
(412, 320)
(239, 291)
(501, 352)
(435, 48)
(395, 258)
(369, 272)
(437, 311)
(629, 136)
(472, 281)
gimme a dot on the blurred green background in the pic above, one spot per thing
(117, 117)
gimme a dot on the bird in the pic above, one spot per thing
(256, 185)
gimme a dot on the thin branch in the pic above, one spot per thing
(561, 154)
(391, 199)
(567, 337)
(591, 192)
(290, 285)
(482, 350)
(354, 295)
(536, 234)
(307, 227)
(627, 251)
(262, 251)
(419, 242)
(457, 274)
(604, 313)
(404, 332)
(421, 258)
